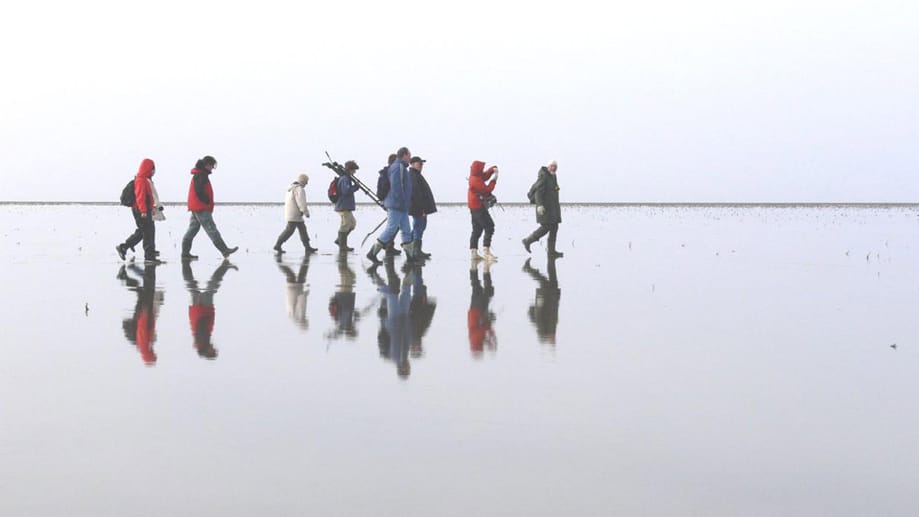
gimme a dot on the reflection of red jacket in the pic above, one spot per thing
(143, 193)
(479, 329)
(146, 325)
(477, 186)
(201, 319)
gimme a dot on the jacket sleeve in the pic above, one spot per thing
(540, 193)
(300, 198)
(354, 187)
(199, 181)
(141, 191)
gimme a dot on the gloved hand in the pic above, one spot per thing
(495, 177)
(306, 213)
(540, 210)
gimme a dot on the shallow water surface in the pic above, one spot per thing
(679, 360)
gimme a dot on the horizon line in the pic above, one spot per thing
(525, 203)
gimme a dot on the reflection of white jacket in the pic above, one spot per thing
(296, 305)
(295, 204)
(158, 214)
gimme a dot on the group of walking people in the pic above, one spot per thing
(402, 191)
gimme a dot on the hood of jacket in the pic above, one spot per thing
(477, 168)
(146, 168)
(294, 185)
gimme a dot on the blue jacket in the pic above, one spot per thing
(346, 190)
(400, 187)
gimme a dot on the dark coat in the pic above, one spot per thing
(547, 196)
(422, 197)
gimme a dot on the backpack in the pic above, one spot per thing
(531, 195)
(333, 190)
(127, 194)
(383, 184)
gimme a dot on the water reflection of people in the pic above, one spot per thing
(201, 312)
(341, 305)
(140, 329)
(480, 317)
(395, 335)
(422, 311)
(544, 311)
(297, 291)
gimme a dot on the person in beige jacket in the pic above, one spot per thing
(295, 210)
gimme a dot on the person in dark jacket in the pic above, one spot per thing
(142, 210)
(201, 312)
(341, 305)
(345, 205)
(201, 206)
(548, 210)
(422, 204)
(397, 203)
(480, 189)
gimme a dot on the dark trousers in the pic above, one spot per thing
(551, 229)
(291, 226)
(481, 221)
(145, 232)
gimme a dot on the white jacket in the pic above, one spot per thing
(295, 204)
(158, 214)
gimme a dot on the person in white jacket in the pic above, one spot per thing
(294, 211)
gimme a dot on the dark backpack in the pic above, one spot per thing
(127, 194)
(531, 195)
(333, 190)
(383, 184)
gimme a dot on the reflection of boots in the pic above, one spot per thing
(488, 255)
(372, 254)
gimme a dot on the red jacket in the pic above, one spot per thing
(143, 193)
(146, 325)
(196, 204)
(477, 186)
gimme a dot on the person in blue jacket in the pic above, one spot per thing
(397, 204)
(345, 205)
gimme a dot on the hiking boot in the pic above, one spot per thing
(121, 251)
(230, 251)
(488, 256)
(474, 254)
(309, 249)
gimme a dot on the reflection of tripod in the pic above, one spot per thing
(480, 317)
(544, 311)
(140, 330)
(201, 311)
(296, 291)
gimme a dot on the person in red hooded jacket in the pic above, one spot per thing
(201, 206)
(142, 210)
(479, 199)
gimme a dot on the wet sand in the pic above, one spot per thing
(678, 360)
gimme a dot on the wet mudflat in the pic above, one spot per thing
(678, 360)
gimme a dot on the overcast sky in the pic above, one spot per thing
(638, 101)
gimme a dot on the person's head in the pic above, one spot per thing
(147, 168)
(417, 163)
(351, 166)
(391, 159)
(208, 163)
(552, 166)
(303, 179)
(404, 154)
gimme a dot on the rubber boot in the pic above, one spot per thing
(421, 252)
(410, 256)
(527, 241)
(488, 256)
(372, 254)
(391, 250)
(342, 242)
(121, 251)
(309, 249)
(474, 254)
(553, 253)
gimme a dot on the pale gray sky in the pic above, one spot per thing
(650, 101)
